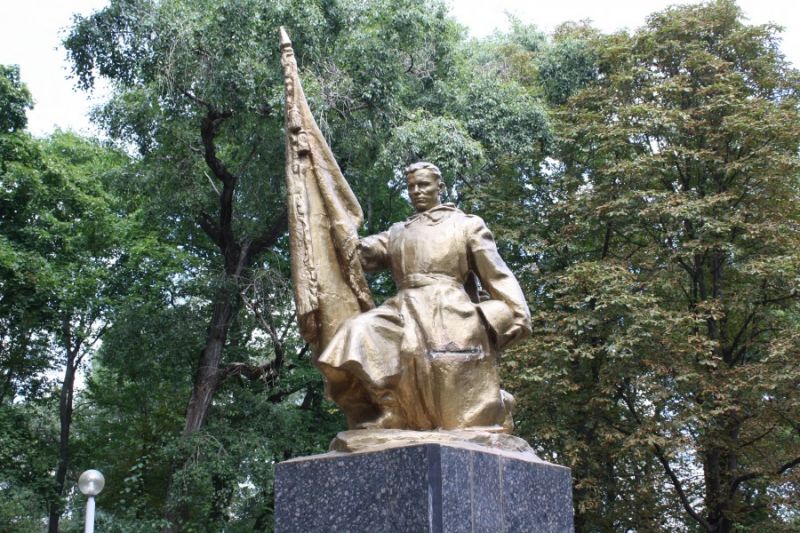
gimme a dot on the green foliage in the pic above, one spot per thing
(19, 346)
(668, 311)
(440, 139)
(565, 68)
(198, 92)
(60, 239)
(509, 122)
(643, 188)
(27, 438)
(14, 100)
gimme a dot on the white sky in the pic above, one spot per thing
(30, 32)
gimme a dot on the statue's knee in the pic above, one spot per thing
(372, 319)
(359, 322)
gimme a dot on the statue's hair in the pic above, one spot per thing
(422, 165)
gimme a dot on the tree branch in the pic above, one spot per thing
(193, 97)
(279, 396)
(209, 129)
(753, 475)
(270, 236)
(788, 465)
(679, 489)
(210, 227)
(208, 132)
(758, 437)
(670, 473)
(267, 372)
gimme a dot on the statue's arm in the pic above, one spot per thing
(506, 313)
(374, 252)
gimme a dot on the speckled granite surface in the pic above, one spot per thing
(432, 488)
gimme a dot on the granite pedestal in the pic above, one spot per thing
(434, 488)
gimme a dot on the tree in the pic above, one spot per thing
(15, 100)
(24, 284)
(19, 346)
(59, 245)
(62, 223)
(670, 301)
(80, 235)
(198, 93)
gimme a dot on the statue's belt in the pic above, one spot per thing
(413, 281)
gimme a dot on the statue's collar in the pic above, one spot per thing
(434, 215)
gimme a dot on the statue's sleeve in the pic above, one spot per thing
(374, 252)
(506, 313)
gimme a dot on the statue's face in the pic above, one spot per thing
(424, 189)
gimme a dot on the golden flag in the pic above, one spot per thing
(324, 216)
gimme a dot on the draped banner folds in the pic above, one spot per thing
(324, 216)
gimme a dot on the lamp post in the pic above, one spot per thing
(91, 483)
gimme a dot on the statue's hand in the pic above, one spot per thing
(503, 326)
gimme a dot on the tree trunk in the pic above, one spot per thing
(65, 417)
(206, 378)
(238, 256)
(205, 384)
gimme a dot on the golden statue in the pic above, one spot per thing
(427, 358)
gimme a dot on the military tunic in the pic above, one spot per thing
(427, 357)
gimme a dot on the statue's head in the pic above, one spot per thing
(425, 185)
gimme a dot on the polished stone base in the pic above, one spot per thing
(433, 488)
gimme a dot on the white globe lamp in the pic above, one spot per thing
(90, 483)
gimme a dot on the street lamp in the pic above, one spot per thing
(91, 483)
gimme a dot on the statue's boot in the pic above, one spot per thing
(508, 403)
(390, 416)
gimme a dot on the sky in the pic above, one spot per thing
(31, 31)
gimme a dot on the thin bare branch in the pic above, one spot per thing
(676, 483)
